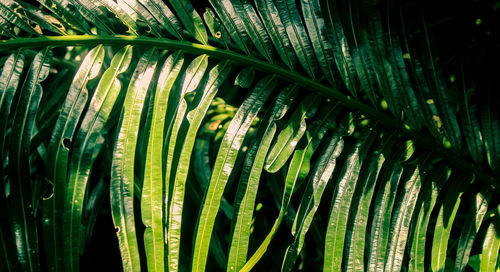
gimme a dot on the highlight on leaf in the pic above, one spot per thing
(249, 135)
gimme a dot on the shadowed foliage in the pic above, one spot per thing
(249, 135)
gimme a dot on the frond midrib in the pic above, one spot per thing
(264, 66)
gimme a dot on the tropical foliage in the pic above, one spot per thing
(314, 135)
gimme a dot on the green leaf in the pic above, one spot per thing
(389, 180)
(164, 17)
(445, 108)
(90, 11)
(85, 145)
(233, 23)
(297, 172)
(42, 19)
(444, 222)
(21, 202)
(312, 197)
(9, 81)
(491, 247)
(340, 46)
(60, 145)
(192, 78)
(274, 26)
(470, 119)
(363, 64)
(402, 214)
(226, 158)
(425, 205)
(256, 31)
(289, 137)
(245, 77)
(64, 11)
(342, 197)
(316, 28)
(490, 125)
(122, 173)
(153, 185)
(216, 28)
(125, 12)
(358, 218)
(249, 180)
(199, 108)
(297, 35)
(9, 12)
(190, 19)
(471, 228)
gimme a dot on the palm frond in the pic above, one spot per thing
(327, 133)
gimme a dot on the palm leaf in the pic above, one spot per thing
(364, 146)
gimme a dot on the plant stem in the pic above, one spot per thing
(264, 66)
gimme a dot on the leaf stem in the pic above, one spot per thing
(287, 75)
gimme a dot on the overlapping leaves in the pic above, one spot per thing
(353, 134)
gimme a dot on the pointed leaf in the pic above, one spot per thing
(311, 198)
(21, 202)
(216, 77)
(289, 137)
(226, 158)
(475, 217)
(153, 188)
(190, 19)
(249, 181)
(274, 26)
(86, 144)
(297, 172)
(337, 222)
(122, 168)
(444, 222)
(9, 80)
(60, 144)
(233, 23)
(297, 35)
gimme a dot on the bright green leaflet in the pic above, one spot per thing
(215, 78)
(60, 144)
(276, 30)
(226, 158)
(337, 222)
(254, 28)
(283, 147)
(427, 200)
(312, 197)
(249, 180)
(297, 172)
(153, 185)
(358, 218)
(83, 148)
(401, 217)
(469, 231)
(192, 78)
(297, 35)
(317, 30)
(190, 19)
(491, 247)
(382, 215)
(444, 222)
(122, 169)
(233, 24)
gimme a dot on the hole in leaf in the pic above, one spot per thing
(218, 35)
(117, 229)
(66, 143)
